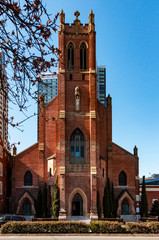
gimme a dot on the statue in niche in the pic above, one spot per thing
(77, 99)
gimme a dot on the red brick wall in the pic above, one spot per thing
(123, 161)
(51, 113)
(152, 192)
(24, 161)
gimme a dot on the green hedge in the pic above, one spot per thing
(79, 227)
(45, 227)
(106, 227)
(144, 227)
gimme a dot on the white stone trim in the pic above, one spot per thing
(62, 114)
(41, 146)
(93, 170)
(62, 170)
(93, 114)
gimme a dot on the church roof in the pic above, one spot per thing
(52, 157)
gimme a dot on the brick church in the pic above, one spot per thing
(75, 138)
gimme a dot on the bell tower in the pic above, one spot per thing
(77, 110)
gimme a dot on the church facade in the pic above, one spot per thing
(75, 138)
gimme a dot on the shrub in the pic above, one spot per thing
(45, 227)
(56, 199)
(145, 227)
(144, 202)
(153, 227)
(136, 227)
(106, 227)
(44, 202)
(109, 208)
(98, 205)
(155, 208)
(38, 204)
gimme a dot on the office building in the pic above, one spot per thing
(48, 87)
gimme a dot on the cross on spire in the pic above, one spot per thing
(77, 14)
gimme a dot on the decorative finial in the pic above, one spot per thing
(91, 21)
(77, 15)
(62, 17)
(109, 101)
(135, 151)
(14, 150)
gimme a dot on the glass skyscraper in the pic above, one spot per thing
(101, 84)
(49, 88)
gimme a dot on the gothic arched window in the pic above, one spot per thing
(83, 56)
(70, 57)
(28, 179)
(122, 179)
(77, 147)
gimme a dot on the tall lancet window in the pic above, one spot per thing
(77, 147)
(70, 60)
(122, 179)
(83, 56)
(28, 179)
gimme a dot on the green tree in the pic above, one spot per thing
(113, 206)
(98, 205)
(38, 204)
(44, 202)
(109, 208)
(56, 200)
(155, 208)
(106, 200)
(49, 201)
(143, 203)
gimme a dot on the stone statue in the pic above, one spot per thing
(77, 99)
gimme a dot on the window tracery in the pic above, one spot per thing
(70, 57)
(83, 56)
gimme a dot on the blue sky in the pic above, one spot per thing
(127, 37)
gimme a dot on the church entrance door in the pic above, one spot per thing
(125, 207)
(26, 207)
(77, 205)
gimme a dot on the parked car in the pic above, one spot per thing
(8, 218)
